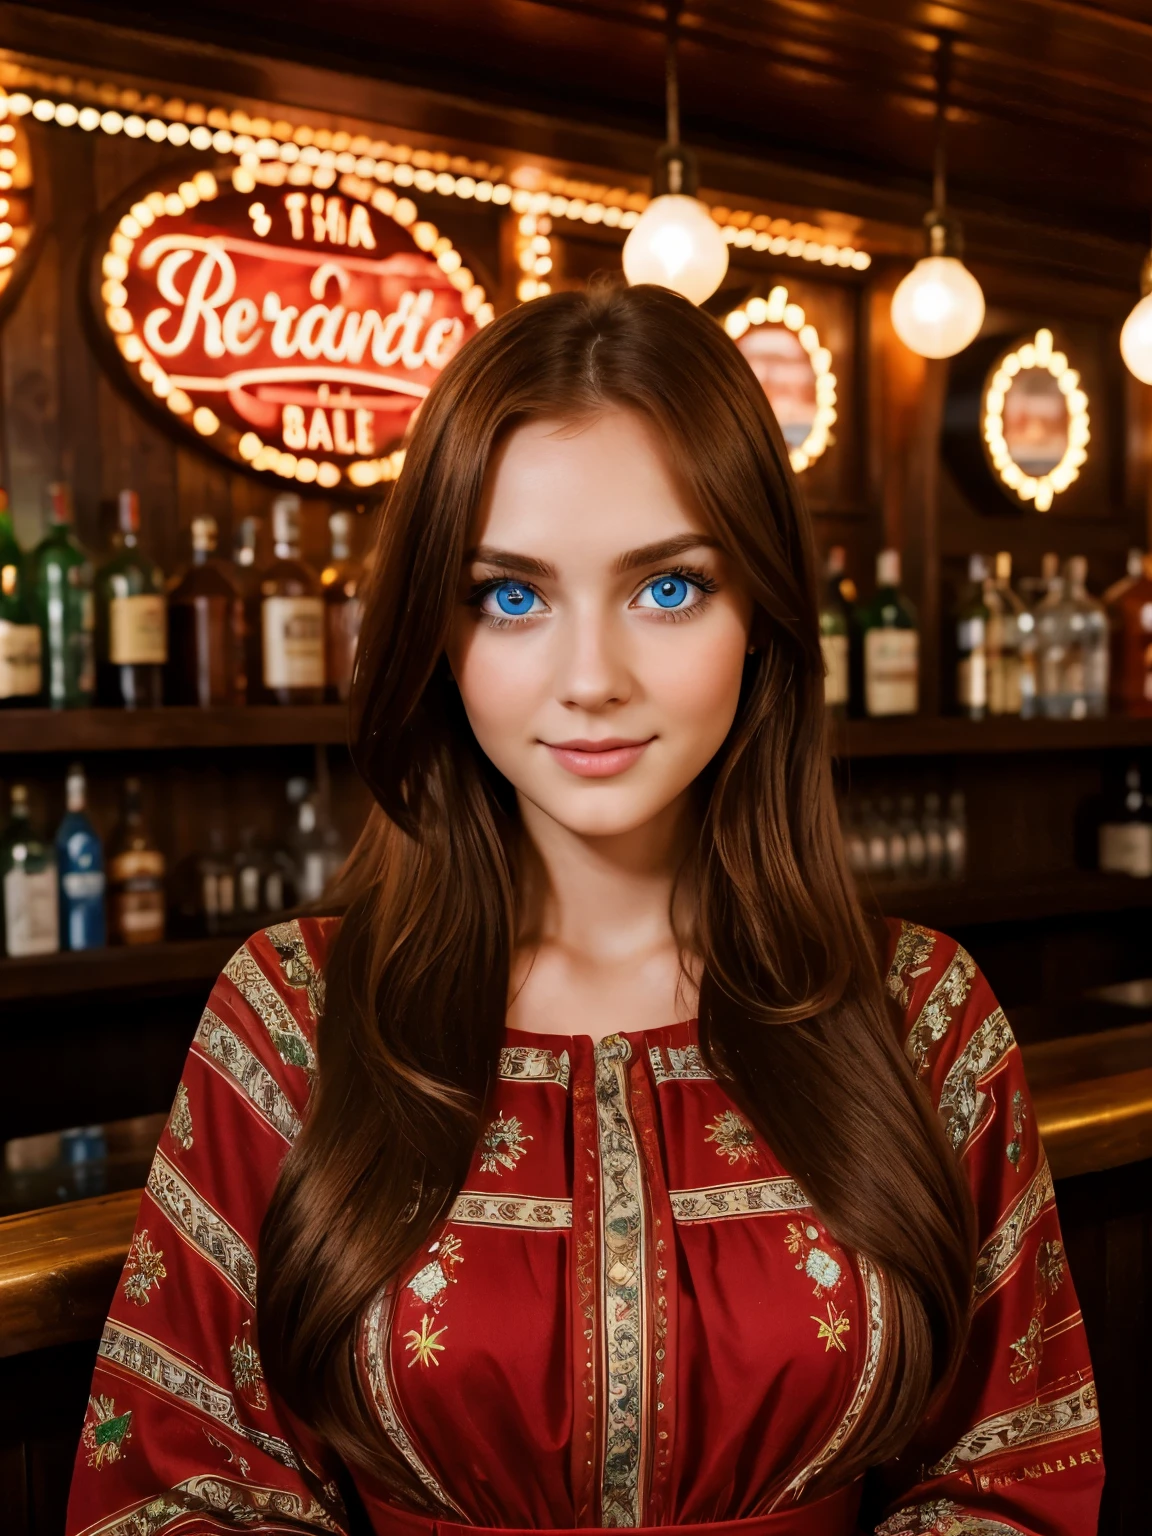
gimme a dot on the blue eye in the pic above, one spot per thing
(513, 599)
(669, 591)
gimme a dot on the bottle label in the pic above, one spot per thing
(972, 680)
(31, 912)
(138, 630)
(835, 649)
(136, 864)
(138, 916)
(293, 633)
(1004, 684)
(1126, 848)
(19, 660)
(891, 671)
(83, 885)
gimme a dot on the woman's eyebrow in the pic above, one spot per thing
(508, 560)
(664, 549)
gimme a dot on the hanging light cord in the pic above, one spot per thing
(671, 77)
(943, 79)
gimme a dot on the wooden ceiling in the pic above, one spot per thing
(1052, 114)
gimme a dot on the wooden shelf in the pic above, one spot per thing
(138, 730)
(179, 964)
(1068, 894)
(941, 736)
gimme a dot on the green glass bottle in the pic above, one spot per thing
(890, 644)
(60, 589)
(19, 636)
(29, 903)
(131, 619)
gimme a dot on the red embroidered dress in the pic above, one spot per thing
(632, 1316)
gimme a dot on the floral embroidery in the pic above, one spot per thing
(424, 1345)
(942, 1517)
(817, 1264)
(677, 1063)
(733, 1137)
(180, 1120)
(1001, 1250)
(830, 1328)
(1019, 1114)
(936, 1015)
(1027, 1349)
(913, 952)
(145, 1269)
(247, 1372)
(430, 1284)
(502, 1145)
(1030, 1347)
(1033, 1423)
(296, 963)
(764, 1196)
(534, 1064)
(106, 1432)
(1050, 1265)
(963, 1106)
(232, 1458)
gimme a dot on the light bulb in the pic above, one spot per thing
(1136, 340)
(938, 308)
(677, 244)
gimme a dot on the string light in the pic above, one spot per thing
(1036, 354)
(778, 309)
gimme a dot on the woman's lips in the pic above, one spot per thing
(598, 759)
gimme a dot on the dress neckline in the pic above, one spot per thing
(556, 1040)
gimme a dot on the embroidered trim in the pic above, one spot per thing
(997, 1255)
(479, 1210)
(913, 952)
(296, 963)
(145, 1269)
(248, 1074)
(874, 1291)
(1032, 1424)
(943, 1518)
(764, 1197)
(623, 1287)
(292, 1044)
(180, 1120)
(535, 1064)
(503, 1144)
(377, 1336)
(206, 1494)
(106, 1432)
(144, 1357)
(678, 1063)
(962, 1105)
(204, 1227)
(936, 1015)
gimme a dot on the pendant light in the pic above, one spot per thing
(676, 242)
(939, 307)
(1136, 337)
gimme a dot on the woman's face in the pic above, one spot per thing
(600, 635)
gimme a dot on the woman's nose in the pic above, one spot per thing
(592, 668)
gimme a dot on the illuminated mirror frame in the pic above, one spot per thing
(1037, 353)
(778, 309)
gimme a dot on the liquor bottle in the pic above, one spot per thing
(1005, 611)
(291, 616)
(1072, 630)
(60, 587)
(956, 838)
(205, 628)
(897, 842)
(342, 581)
(935, 852)
(1126, 837)
(246, 574)
(835, 623)
(80, 862)
(1040, 596)
(135, 876)
(971, 643)
(1133, 570)
(913, 833)
(131, 621)
(1130, 623)
(311, 861)
(891, 644)
(31, 914)
(19, 635)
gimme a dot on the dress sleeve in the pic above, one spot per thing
(182, 1434)
(1015, 1444)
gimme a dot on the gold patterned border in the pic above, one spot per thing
(534, 1064)
(936, 1015)
(377, 1337)
(943, 1517)
(962, 1105)
(1032, 1424)
(1001, 1249)
(678, 1063)
(763, 1197)
(226, 1504)
(296, 964)
(141, 1356)
(292, 1044)
(203, 1227)
(913, 953)
(248, 1073)
(475, 1209)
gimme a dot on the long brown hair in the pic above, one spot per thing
(792, 1013)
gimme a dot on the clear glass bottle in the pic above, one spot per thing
(956, 838)
(934, 843)
(131, 619)
(1005, 611)
(970, 638)
(205, 628)
(136, 870)
(30, 906)
(835, 627)
(60, 584)
(1074, 646)
(342, 581)
(20, 642)
(891, 644)
(291, 616)
(914, 842)
(80, 862)
(897, 843)
(1047, 639)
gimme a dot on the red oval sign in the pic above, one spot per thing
(294, 329)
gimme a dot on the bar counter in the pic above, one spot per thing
(59, 1265)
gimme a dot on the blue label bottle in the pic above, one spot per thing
(80, 860)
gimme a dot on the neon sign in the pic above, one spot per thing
(292, 329)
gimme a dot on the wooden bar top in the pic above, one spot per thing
(59, 1266)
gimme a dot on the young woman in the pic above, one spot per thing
(602, 1167)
